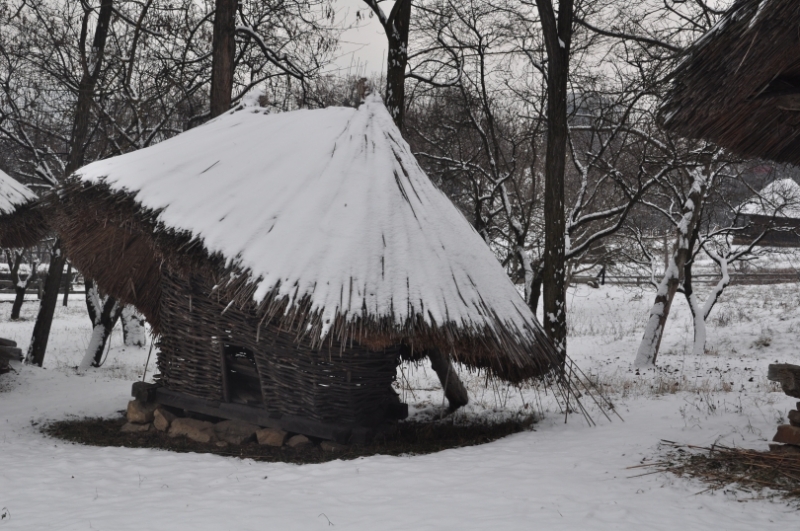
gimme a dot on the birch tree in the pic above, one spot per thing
(104, 312)
(685, 230)
(133, 327)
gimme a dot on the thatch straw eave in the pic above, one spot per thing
(739, 85)
(343, 242)
(23, 220)
(126, 250)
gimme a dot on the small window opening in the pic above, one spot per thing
(244, 384)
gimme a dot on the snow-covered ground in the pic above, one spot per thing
(558, 476)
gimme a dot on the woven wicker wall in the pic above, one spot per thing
(350, 385)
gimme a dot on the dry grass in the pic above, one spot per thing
(759, 474)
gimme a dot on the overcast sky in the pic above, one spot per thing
(363, 48)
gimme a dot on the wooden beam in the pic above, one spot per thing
(10, 353)
(788, 376)
(453, 389)
(788, 102)
(223, 362)
(257, 416)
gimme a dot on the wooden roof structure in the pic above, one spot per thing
(739, 85)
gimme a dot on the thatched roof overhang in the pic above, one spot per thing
(22, 217)
(739, 85)
(321, 222)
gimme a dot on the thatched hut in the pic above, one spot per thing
(739, 85)
(772, 217)
(22, 223)
(289, 261)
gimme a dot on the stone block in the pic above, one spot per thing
(788, 434)
(794, 418)
(271, 436)
(235, 431)
(298, 442)
(332, 447)
(130, 427)
(784, 449)
(196, 430)
(162, 419)
(139, 412)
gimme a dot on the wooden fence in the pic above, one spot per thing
(758, 277)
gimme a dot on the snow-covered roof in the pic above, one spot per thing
(328, 208)
(13, 194)
(780, 198)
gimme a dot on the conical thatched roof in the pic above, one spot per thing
(21, 221)
(323, 221)
(739, 85)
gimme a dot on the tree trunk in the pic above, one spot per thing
(453, 389)
(47, 307)
(223, 55)
(77, 150)
(698, 319)
(20, 286)
(100, 334)
(65, 301)
(104, 313)
(397, 35)
(536, 287)
(557, 37)
(19, 298)
(654, 330)
(133, 331)
(700, 314)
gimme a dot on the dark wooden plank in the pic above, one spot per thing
(254, 415)
(144, 392)
(11, 353)
(223, 362)
(7, 342)
(788, 376)
(187, 402)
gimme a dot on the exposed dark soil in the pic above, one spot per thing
(404, 438)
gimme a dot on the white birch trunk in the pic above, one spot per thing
(96, 341)
(654, 330)
(700, 315)
(104, 313)
(699, 320)
(133, 330)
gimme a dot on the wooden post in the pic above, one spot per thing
(69, 285)
(223, 363)
(47, 307)
(453, 389)
(788, 376)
